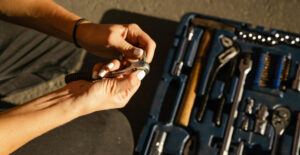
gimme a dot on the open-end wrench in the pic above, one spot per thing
(244, 67)
(241, 148)
(296, 82)
(296, 141)
(221, 60)
(280, 120)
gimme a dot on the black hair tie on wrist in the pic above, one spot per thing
(75, 30)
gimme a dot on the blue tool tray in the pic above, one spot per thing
(272, 92)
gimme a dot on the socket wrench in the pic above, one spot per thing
(280, 120)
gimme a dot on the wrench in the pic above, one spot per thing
(244, 67)
(296, 142)
(296, 82)
(280, 121)
(138, 65)
(221, 60)
(241, 148)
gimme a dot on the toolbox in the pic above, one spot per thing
(228, 88)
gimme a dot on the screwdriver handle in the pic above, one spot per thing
(185, 110)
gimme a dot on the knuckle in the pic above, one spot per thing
(96, 66)
(115, 61)
(111, 86)
(109, 39)
(133, 25)
(132, 81)
(153, 44)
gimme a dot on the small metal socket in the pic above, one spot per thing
(249, 106)
(261, 121)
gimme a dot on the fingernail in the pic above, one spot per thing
(94, 75)
(102, 73)
(138, 52)
(141, 75)
(110, 65)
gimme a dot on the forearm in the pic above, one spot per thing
(43, 15)
(22, 124)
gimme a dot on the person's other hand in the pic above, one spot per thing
(107, 93)
(111, 40)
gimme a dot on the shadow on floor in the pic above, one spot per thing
(162, 32)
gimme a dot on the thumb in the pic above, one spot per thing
(132, 82)
(129, 50)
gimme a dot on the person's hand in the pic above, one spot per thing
(112, 40)
(107, 93)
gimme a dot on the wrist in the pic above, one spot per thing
(79, 32)
(63, 101)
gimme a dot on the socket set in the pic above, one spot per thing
(227, 88)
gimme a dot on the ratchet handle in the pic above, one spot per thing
(78, 76)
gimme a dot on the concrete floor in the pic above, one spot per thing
(279, 14)
(159, 18)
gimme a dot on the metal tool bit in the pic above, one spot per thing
(280, 120)
(265, 78)
(221, 60)
(296, 82)
(158, 142)
(286, 71)
(249, 106)
(240, 149)
(261, 121)
(244, 67)
(296, 141)
(278, 71)
(245, 124)
(260, 68)
(270, 40)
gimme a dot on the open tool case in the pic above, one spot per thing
(227, 88)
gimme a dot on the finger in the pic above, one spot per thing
(148, 44)
(130, 84)
(111, 66)
(137, 36)
(133, 78)
(95, 70)
(128, 50)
